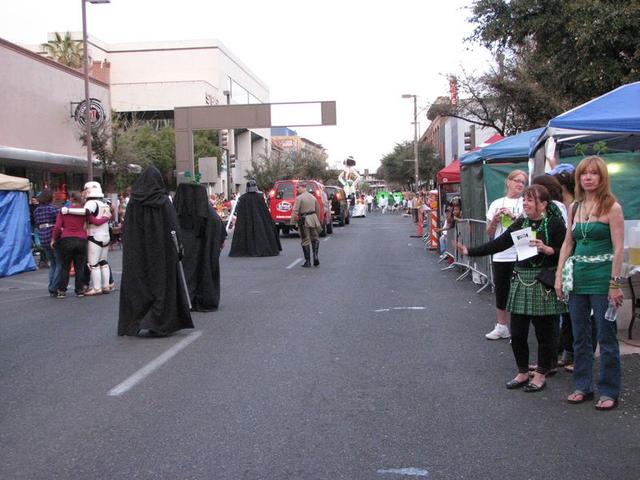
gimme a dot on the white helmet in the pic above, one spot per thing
(93, 190)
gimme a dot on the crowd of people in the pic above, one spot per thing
(569, 289)
(566, 287)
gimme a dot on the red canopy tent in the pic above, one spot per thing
(450, 173)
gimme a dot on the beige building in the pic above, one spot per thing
(150, 79)
(39, 138)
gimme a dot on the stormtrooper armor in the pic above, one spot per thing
(98, 236)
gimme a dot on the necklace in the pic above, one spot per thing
(584, 226)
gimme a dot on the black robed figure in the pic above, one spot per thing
(255, 234)
(203, 236)
(151, 297)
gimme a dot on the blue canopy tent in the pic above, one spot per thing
(15, 224)
(613, 119)
(483, 171)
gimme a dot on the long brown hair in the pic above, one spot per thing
(604, 197)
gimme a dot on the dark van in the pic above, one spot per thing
(339, 205)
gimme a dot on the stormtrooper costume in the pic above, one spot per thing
(98, 236)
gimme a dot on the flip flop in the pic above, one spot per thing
(613, 405)
(583, 397)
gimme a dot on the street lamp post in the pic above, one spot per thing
(87, 99)
(415, 134)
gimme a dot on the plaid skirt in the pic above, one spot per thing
(527, 296)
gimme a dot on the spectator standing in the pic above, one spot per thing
(530, 300)
(70, 234)
(45, 218)
(500, 215)
(590, 276)
(369, 199)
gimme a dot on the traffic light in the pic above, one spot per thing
(223, 139)
(470, 138)
(232, 160)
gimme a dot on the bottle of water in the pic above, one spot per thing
(612, 312)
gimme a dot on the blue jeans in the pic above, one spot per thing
(610, 380)
(53, 259)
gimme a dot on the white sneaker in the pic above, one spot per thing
(500, 331)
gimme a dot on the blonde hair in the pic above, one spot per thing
(604, 197)
(513, 174)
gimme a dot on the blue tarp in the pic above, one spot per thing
(15, 241)
(616, 111)
(510, 148)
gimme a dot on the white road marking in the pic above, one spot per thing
(399, 308)
(414, 472)
(150, 367)
(326, 239)
(294, 263)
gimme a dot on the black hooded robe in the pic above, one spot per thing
(255, 234)
(203, 234)
(151, 297)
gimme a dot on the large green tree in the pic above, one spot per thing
(549, 56)
(65, 50)
(398, 167)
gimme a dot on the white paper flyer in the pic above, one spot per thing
(521, 239)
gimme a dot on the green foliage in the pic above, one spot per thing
(549, 56)
(267, 170)
(65, 50)
(398, 167)
(282, 166)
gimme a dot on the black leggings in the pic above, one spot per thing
(546, 327)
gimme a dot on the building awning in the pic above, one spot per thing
(22, 157)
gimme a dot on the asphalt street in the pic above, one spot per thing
(372, 366)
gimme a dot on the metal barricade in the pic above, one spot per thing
(470, 233)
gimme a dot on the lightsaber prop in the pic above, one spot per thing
(183, 280)
(233, 211)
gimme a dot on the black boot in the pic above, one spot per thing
(315, 245)
(307, 256)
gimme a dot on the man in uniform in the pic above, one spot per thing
(306, 212)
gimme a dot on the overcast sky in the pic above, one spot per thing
(364, 55)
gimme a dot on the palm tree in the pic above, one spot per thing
(65, 50)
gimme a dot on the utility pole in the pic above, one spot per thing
(415, 135)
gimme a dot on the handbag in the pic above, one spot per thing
(547, 277)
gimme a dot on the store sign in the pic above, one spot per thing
(96, 113)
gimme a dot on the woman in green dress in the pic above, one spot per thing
(530, 300)
(590, 277)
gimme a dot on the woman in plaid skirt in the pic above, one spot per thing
(531, 301)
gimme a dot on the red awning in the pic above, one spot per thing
(450, 173)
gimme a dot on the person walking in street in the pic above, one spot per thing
(369, 199)
(203, 236)
(45, 216)
(382, 203)
(306, 213)
(531, 297)
(501, 213)
(254, 233)
(153, 300)
(589, 274)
